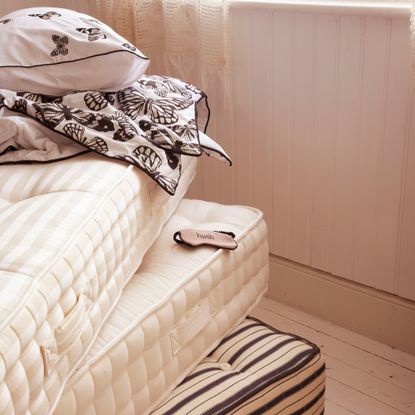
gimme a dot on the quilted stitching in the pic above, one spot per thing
(131, 361)
(105, 247)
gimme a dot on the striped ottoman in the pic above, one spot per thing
(255, 370)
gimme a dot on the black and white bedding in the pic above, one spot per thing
(88, 92)
(150, 125)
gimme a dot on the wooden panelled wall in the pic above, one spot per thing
(322, 134)
(323, 141)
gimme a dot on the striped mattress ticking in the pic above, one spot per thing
(73, 233)
(255, 370)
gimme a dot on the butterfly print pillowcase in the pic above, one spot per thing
(53, 51)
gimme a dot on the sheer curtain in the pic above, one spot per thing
(183, 38)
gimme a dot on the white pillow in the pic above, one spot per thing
(53, 51)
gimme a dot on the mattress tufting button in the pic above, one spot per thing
(225, 366)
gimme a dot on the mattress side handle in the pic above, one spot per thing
(50, 356)
(195, 321)
(71, 327)
(66, 333)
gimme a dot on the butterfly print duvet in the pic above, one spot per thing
(149, 125)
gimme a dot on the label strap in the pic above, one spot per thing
(194, 237)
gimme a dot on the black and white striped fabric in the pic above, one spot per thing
(255, 370)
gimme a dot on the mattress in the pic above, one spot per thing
(255, 370)
(72, 235)
(174, 311)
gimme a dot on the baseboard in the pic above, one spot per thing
(375, 314)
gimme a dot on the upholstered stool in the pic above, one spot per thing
(255, 370)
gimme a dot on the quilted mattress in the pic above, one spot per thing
(72, 235)
(178, 306)
(255, 370)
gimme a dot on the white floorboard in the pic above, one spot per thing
(364, 377)
(334, 408)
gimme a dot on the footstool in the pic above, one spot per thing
(256, 369)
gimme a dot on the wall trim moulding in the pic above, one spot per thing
(356, 8)
(375, 314)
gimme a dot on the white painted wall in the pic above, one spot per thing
(323, 140)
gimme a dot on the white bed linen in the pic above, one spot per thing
(174, 311)
(72, 235)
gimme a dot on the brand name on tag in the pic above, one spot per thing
(204, 235)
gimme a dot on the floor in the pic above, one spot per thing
(364, 377)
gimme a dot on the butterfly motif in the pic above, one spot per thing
(163, 86)
(140, 158)
(167, 183)
(94, 33)
(156, 134)
(172, 160)
(148, 157)
(31, 96)
(195, 90)
(187, 132)
(61, 42)
(76, 132)
(167, 138)
(110, 97)
(157, 87)
(5, 21)
(126, 130)
(129, 46)
(162, 110)
(53, 114)
(176, 88)
(20, 105)
(39, 98)
(96, 144)
(95, 100)
(148, 83)
(46, 16)
(161, 92)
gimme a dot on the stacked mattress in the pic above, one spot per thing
(73, 234)
(175, 310)
(87, 326)
(102, 312)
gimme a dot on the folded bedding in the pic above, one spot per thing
(68, 83)
(72, 235)
(177, 307)
(151, 125)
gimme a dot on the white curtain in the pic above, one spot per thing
(183, 38)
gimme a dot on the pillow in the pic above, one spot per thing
(54, 51)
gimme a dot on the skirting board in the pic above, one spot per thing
(375, 314)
